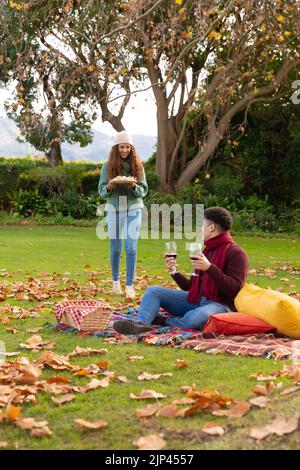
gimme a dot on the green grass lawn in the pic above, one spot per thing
(33, 251)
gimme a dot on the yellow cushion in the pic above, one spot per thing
(275, 308)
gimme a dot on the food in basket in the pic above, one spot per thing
(123, 179)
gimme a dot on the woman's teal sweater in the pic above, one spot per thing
(123, 197)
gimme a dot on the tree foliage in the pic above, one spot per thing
(207, 61)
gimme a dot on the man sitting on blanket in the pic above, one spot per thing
(221, 272)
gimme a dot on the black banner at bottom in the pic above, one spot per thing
(146, 459)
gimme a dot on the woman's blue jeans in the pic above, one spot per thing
(123, 226)
(184, 314)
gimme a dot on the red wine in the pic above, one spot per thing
(171, 255)
(194, 258)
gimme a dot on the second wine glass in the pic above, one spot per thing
(195, 250)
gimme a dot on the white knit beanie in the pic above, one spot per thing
(123, 138)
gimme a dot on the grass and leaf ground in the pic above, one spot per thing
(42, 265)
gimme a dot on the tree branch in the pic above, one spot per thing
(201, 38)
(131, 23)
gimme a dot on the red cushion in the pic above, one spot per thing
(236, 323)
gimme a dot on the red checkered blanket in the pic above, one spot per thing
(262, 345)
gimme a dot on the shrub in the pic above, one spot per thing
(52, 180)
(89, 181)
(75, 205)
(156, 197)
(28, 203)
(10, 169)
(151, 176)
(192, 193)
(224, 183)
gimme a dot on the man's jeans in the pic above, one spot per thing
(184, 314)
(123, 226)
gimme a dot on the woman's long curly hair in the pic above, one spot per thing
(114, 163)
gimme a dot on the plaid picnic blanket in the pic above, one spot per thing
(260, 345)
(162, 335)
(268, 345)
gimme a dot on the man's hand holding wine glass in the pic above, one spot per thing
(200, 262)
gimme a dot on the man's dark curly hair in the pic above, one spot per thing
(220, 217)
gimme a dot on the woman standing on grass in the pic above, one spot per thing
(124, 207)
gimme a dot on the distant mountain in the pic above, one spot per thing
(98, 150)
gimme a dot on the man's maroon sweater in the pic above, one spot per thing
(230, 281)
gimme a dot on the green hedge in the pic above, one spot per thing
(31, 188)
(29, 173)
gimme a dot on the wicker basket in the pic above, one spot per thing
(96, 320)
(95, 315)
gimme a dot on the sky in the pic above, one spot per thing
(139, 117)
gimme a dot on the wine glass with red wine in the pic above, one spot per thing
(171, 251)
(195, 251)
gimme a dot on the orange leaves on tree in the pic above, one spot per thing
(186, 35)
(215, 35)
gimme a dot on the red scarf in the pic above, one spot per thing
(218, 246)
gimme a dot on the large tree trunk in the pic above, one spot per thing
(198, 161)
(54, 155)
(166, 142)
(166, 136)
